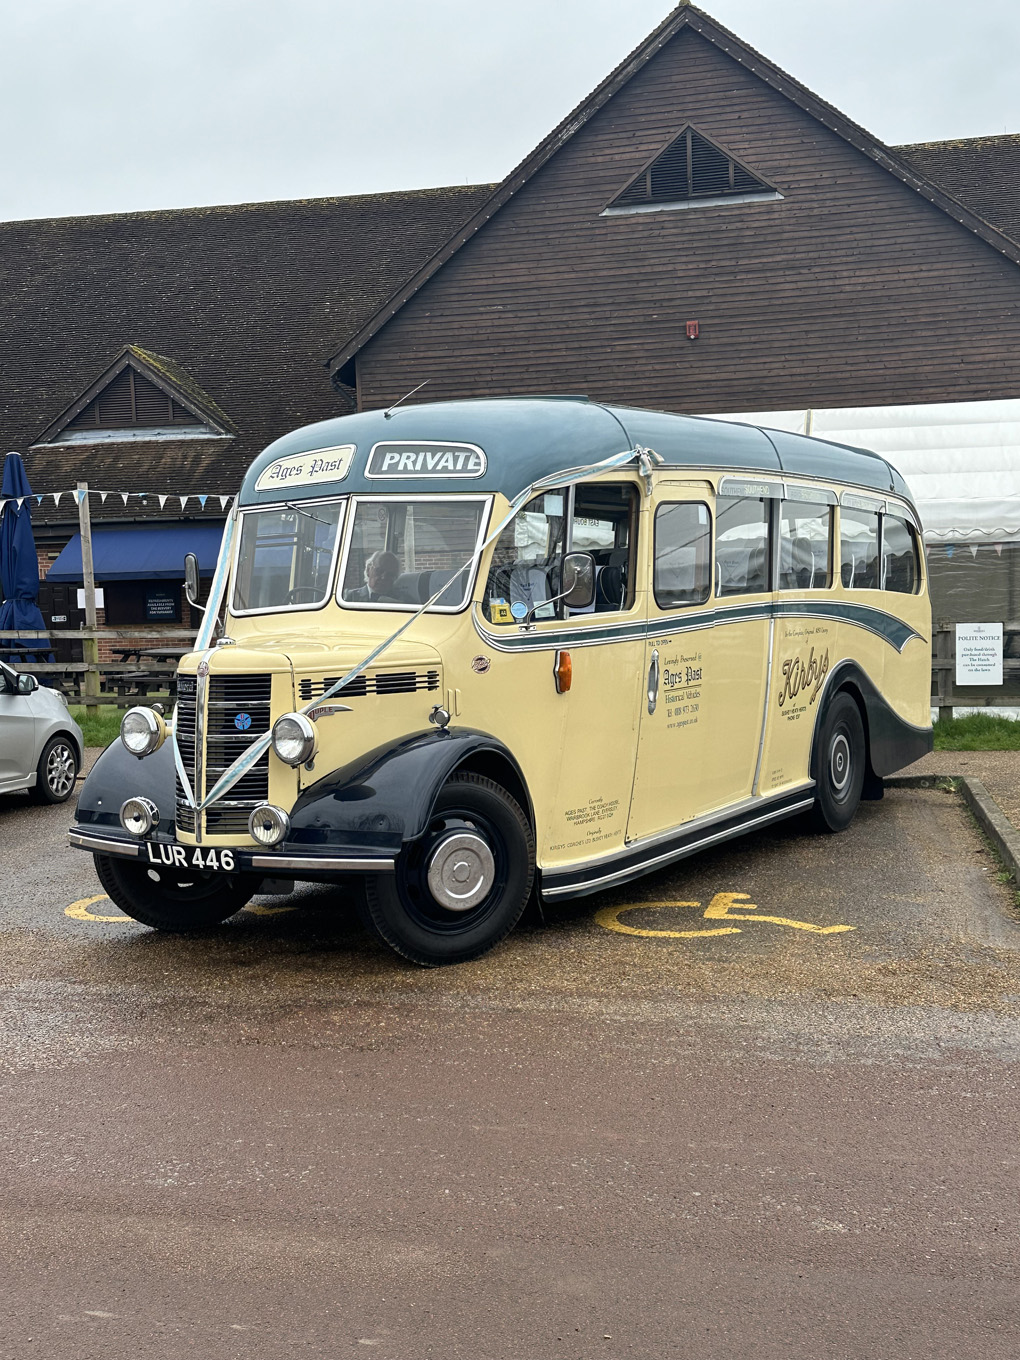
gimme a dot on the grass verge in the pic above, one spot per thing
(977, 732)
(103, 728)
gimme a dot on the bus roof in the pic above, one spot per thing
(525, 438)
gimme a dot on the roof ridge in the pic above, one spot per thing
(213, 209)
(962, 142)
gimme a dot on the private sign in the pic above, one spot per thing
(425, 459)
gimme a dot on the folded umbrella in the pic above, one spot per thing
(19, 567)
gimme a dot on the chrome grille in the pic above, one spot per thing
(383, 682)
(229, 698)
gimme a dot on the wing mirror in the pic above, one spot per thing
(579, 586)
(27, 684)
(191, 586)
(578, 580)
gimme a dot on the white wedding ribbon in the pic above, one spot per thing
(258, 748)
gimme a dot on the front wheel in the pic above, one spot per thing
(56, 772)
(172, 899)
(463, 885)
(840, 765)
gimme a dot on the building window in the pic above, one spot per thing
(131, 402)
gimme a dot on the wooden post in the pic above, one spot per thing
(90, 646)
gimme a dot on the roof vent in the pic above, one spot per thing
(691, 168)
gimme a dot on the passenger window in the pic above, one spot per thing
(742, 545)
(858, 549)
(603, 524)
(900, 565)
(525, 568)
(805, 546)
(683, 554)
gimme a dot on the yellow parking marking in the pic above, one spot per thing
(723, 907)
(610, 918)
(720, 909)
(79, 911)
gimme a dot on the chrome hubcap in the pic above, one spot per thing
(839, 763)
(60, 770)
(461, 871)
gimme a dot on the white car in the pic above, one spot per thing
(41, 745)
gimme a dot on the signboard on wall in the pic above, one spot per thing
(161, 606)
(979, 653)
(100, 598)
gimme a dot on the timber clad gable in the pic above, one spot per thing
(861, 286)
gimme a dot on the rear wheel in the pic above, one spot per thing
(172, 899)
(840, 765)
(462, 886)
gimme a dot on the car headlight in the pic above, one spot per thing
(142, 731)
(294, 738)
(139, 816)
(268, 825)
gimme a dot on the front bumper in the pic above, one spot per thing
(267, 863)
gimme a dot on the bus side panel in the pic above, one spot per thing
(805, 649)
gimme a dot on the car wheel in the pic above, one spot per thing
(172, 899)
(56, 772)
(462, 886)
(840, 766)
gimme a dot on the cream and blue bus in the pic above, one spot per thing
(459, 654)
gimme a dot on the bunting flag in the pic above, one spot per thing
(202, 500)
(81, 495)
(223, 502)
(998, 549)
(949, 549)
(183, 500)
(124, 496)
(162, 501)
(973, 550)
(103, 495)
(56, 497)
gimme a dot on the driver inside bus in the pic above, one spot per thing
(381, 572)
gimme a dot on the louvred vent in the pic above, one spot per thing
(691, 167)
(129, 402)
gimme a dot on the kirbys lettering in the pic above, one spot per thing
(804, 675)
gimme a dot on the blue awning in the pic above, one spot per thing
(138, 552)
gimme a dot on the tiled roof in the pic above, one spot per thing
(247, 301)
(982, 172)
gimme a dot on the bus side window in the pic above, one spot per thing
(900, 566)
(683, 554)
(741, 545)
(805, 546)
(603, 523)
(858, 549)
(526, 561)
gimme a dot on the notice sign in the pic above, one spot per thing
(160, 606)
(979, 653)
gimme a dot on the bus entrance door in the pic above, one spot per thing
(706, 661)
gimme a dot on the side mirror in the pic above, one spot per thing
(27, 684)
(578, 580)
(191, 586)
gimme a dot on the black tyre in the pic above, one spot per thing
(462, 886)
(840, 766)
(56, 772)
(172, 899)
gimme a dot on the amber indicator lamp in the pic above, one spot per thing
(562, 672)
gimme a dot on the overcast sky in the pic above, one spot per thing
(116, 105)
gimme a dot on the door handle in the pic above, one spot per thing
(653, 682)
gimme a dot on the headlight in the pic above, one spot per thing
(268, 825)
(139, 816)
(294, 738)
(142, 731)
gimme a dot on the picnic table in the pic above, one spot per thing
(145, 680)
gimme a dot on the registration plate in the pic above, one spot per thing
(176, 856)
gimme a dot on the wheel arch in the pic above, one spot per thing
(385, 799)
(890, 742)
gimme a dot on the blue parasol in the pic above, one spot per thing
(19, 566)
